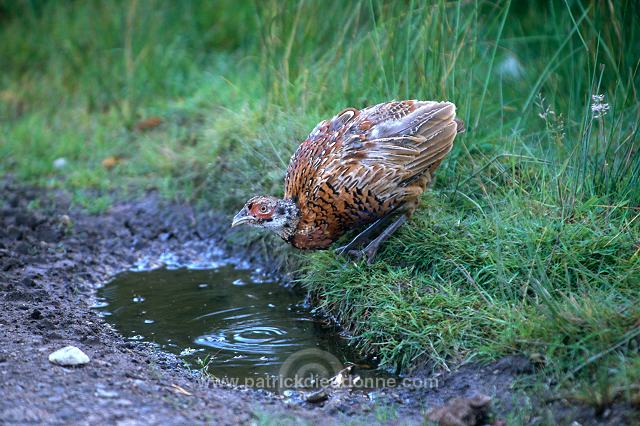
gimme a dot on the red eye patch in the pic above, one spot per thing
(259, 211)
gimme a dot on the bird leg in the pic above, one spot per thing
(361, 236)
(372, 248)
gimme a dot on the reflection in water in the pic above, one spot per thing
(243, 325)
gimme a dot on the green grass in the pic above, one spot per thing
(529, 242)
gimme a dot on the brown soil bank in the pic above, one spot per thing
(51, 258)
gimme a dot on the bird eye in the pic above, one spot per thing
(263, 209)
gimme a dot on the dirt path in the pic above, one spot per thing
(51, 258)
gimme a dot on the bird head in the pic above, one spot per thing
(277, 215)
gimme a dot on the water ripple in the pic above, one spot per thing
(237, 322)
(261, 340)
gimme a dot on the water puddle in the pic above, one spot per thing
(248, 329)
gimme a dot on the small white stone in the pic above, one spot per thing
(69, 356)
(103, 393)
(59, 163)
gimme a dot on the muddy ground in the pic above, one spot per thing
(52, 258)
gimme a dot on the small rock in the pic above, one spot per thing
(461, 411)
(69, 356)
(317, 396)
(103, 393)
(60, 163)
(66, 221)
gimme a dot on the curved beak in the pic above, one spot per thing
(241, 218)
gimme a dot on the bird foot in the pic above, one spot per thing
(342, 250)
(356, 254)
(350, 249)
(365, 253)
(371, 249)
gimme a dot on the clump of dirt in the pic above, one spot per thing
(53, 256)
(462, 411)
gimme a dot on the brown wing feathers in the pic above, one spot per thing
(418, 139)
(366, 163)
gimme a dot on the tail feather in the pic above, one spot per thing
(436, 146)
(415, 141)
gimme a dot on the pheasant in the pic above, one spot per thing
(360, 169)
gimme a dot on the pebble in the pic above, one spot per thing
(103, 393)
(317, 396)
(65, 220)
(69, 356)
